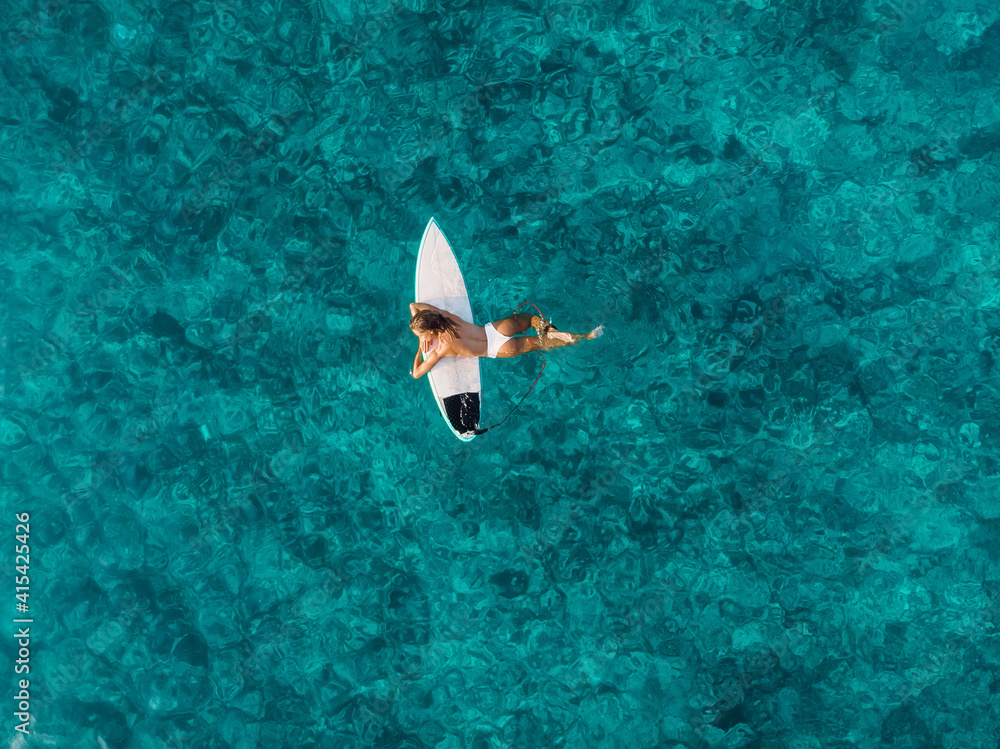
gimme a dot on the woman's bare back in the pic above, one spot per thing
(470, 341)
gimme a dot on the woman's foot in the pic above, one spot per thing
(541, 325)
(545, 331)
(595, 333)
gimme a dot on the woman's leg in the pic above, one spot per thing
(515, 324)
(529, 343)
(522, 322)
(518, 346)
(544, 337)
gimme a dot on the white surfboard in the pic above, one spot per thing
(455, 381)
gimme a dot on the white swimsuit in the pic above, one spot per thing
(494, 340)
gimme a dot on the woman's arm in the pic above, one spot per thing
(420, 368)
(416, 358)
(416, 307)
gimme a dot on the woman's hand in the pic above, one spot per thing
(437, 344)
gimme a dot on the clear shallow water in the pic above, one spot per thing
(762, 511)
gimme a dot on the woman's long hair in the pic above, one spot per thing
(432, 322)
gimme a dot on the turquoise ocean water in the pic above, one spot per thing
(762, 511)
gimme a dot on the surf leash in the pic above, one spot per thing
(537, 378)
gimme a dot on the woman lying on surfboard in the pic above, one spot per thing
(443, 334)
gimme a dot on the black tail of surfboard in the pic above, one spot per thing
(463, 412)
